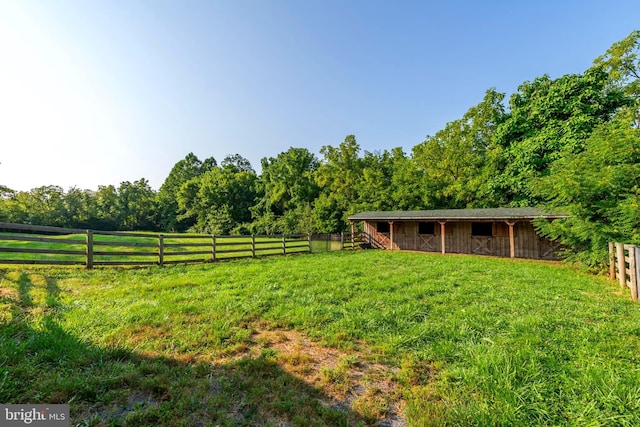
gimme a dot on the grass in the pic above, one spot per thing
(339, 338)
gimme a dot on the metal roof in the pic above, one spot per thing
(457, 214)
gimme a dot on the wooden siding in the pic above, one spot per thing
(458, 239)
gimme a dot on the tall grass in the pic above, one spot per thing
(470, 340)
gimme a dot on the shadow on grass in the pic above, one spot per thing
(43, 363)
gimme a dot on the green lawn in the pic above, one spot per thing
(339, 338)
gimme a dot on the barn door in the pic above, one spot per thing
(548, 249)
(428, 243)
(481, 245)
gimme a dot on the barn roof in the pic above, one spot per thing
(457, 215)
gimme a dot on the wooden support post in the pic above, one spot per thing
(253, 246)
(341, 240)
(622, 274)
(512, 239)
(632, 273)
(391, 235)
(213, 247)
(612, 261)
(442, 238)
(284, 245)
(89, 252)
(353, 236)
(637, 256)
(160, 250)
(309, 238)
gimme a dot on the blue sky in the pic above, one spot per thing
(98, 92)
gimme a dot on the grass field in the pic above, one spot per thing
(339, 338)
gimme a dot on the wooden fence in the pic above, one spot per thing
(29, 244)
(624, 266)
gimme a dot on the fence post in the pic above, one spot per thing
(284, 244)
(341, 240)
(160, 250)
(253, 246)
(632, 273)
(636, 250)
(622, 274)
(309, 238)
(213, 247)
(89, 249)
(612, 261)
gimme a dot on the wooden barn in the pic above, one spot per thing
(505, 232)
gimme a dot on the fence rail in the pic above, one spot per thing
(31, 244)
(624, 266)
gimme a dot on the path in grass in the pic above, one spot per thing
(424, 338)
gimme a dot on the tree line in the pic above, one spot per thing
(568, 144)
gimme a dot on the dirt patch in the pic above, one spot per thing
(348, 380)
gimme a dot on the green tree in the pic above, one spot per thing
(136, 205)
(599, 188)
(288, 180)
(81, 208)
(219, 200)
(107, 209)
(453, 163)
(622, 63)
(184, 170)
(237, 162)
(548, 119)
(338, 175)
(288, 187)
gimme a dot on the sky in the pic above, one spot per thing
(100, 92)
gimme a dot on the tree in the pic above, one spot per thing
(184, 170)
(219, 200)
(237, 162)
(338, 175)
(288, 187)
(548, 119)
(107, 209)
(599, 188)
(136, 205)
(80, 207)
(622, 63)
(453, 163)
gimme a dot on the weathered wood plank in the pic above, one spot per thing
(124, 253)
(632, 274)
(27, 227)
(231, 251)
(41, 261)
(126, 244)
(161, 250)
(612, 261)
(219, 244)
(621, 264)
(187, 245)
(89, 249)
(27, 238)
(187, 253)
(125, 263)
(43, 251)
(269, 248)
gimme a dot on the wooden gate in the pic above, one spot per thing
(481, 245)
(428, 242)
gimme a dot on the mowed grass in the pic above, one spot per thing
(459, 340)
